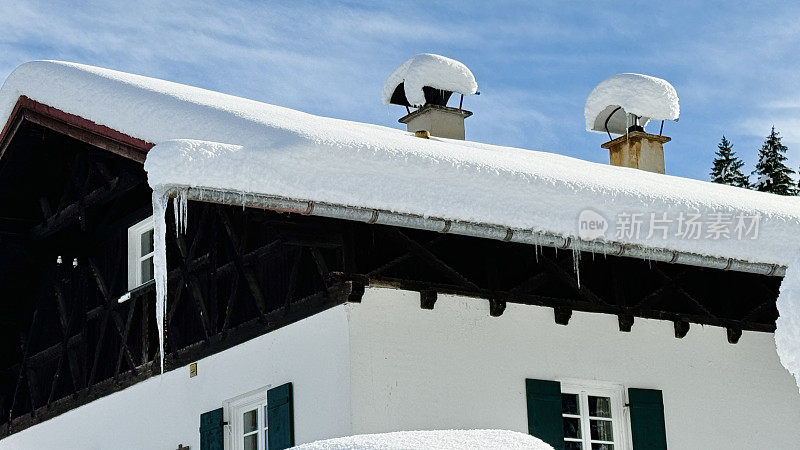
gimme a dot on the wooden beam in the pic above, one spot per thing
(562, 315)
(496, 307)
(72, 212)
(356, 291)
(625, 322)
(681, 328)
(427, 299)
(239, 259)
(734, 334)
(428, 257)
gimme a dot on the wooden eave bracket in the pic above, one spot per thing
(734, 334)
(562, 315)
(427, 299)
(496, 307)
(625, 322)
(681, 328)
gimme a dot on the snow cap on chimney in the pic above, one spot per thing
(623, 104)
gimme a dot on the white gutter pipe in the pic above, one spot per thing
(480, 230)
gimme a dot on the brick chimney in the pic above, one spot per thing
(638, 149)
(437, 120)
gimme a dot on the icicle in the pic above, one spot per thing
(576, 258)
(180, 207)
(176, 213)
(160, 199)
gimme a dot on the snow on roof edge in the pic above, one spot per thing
(277, 150)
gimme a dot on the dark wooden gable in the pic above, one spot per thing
(62, 198)
(71, 188)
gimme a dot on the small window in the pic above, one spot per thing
(248, 421)
(141, 248)
(593, 417)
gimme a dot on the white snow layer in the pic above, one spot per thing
(433, 440)
(641, 95)
(427, 69)
(787, 327)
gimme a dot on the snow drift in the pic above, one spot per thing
(787, 327)
(433, 440)
(429, 70)
(641, 95)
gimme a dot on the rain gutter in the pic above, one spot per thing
(474, 229)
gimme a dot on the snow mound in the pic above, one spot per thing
(427, 69)
(637, 94)
(433, 440)
(787, 327)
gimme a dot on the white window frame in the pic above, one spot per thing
(135, 257)
(233, 410)
(620, 418)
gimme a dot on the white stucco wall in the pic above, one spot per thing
(458, 367)
(386, 365)
(164, 411)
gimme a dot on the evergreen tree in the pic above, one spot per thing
(727, 166)
(773, 175)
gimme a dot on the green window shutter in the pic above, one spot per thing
(544, 411)
(647, 419)
(280, 417)
(211, 434)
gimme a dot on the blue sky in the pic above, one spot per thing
(735, 65)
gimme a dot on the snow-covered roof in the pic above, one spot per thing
(641, 95)
(433, 440)
(427, 69)
(211, 140)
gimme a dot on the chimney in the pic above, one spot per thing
(623, 104)
(437, 120)
(427, 82)
(638, 149)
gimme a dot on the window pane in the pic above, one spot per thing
(251, 442)
(147, 270)
(250, 421)
(147, 242)
(599, 406)
(602, 446)
(572, 427)
(601, 430)
(572, 445)
(569, 404)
